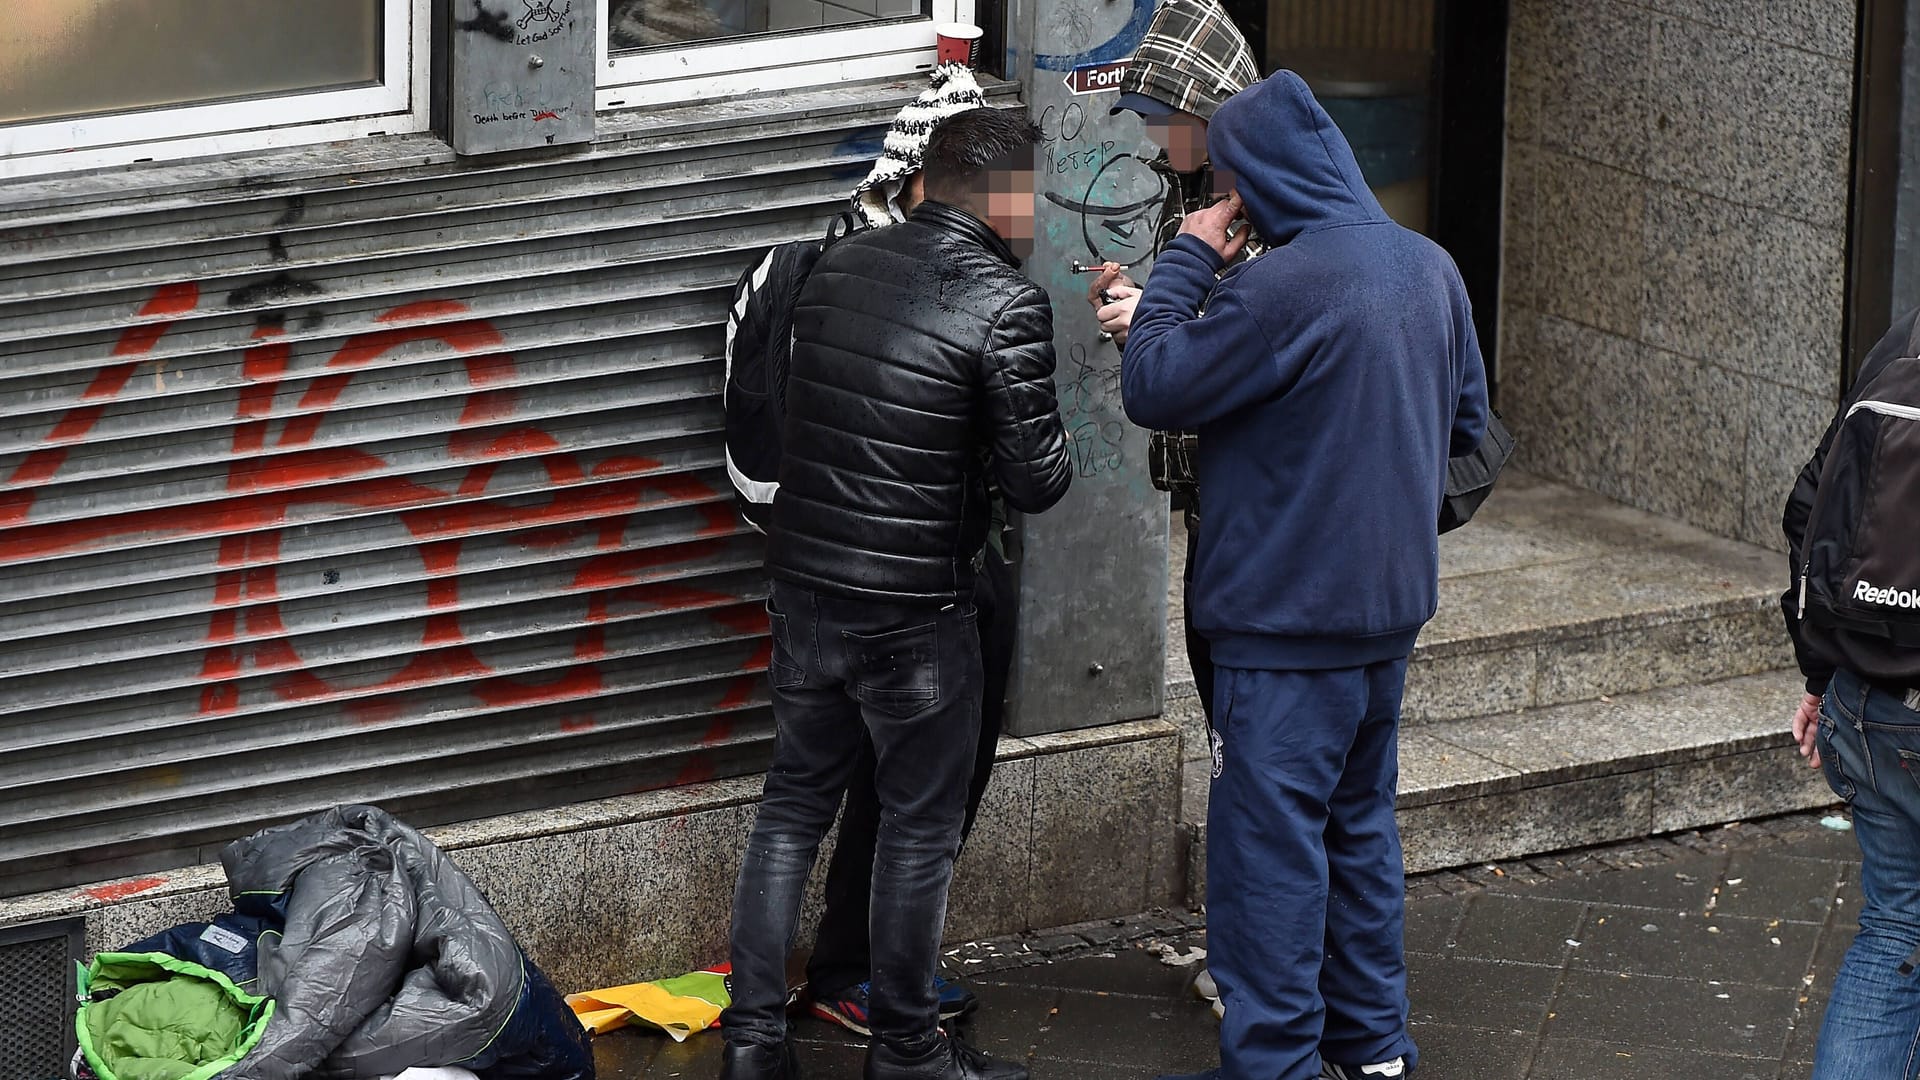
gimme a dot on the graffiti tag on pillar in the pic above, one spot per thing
(1121, 230)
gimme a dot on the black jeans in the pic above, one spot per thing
(841, 959)
(910, 680)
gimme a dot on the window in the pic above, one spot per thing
(1371, 64)
(106, 82)
(656, 51)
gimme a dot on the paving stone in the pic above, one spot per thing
(1849, 885)
(1446, 1050)
(1835, 940)
(1672, 1014)
(1479, 993)
(1431, 922)
(1682, 944)
(1130, 971)
(1773, 885)
(1102, 934)
(1015, 1022)
(813, 1031)
(1061, 1069)
(1124, 1014)
(1158, 924)
(698, 1056)
(1048, 944)
(1521, 929)
(1668, 886)
(1630, 1061)
(1805, 1038)
(624, 1053)
(1143, 1036)
(1824, 843)
(816, 1059)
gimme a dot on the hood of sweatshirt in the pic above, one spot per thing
(1294, 170)
(1192, 58)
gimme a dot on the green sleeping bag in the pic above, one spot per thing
(150, 1016)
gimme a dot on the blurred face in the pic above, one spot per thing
(1184, 137)
(1006, 201)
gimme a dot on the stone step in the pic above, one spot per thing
(1549, 779)
(1555, 595)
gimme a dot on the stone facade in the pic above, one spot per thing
(1676, 234)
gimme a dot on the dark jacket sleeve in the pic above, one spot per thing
(1807, 488)
(1028, 442)
(1183, 370)
(1470, 413)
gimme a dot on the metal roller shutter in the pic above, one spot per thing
(399, 487)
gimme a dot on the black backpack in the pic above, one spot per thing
(758, 351)
(1860, 586)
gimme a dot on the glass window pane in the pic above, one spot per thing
(68, 58)
(1370, 62)
(639, 24)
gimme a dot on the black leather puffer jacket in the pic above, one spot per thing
(922, 358)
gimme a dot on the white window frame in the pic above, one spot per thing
(399, 105)
(763, 63)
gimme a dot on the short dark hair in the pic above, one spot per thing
(967, 145)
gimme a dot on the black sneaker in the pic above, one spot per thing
(757, 1061)
(953, 1060)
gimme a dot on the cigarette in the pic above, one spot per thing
(1082, 268)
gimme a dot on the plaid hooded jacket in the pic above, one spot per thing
(1193, 58)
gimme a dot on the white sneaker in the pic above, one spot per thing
(1208, 991)
(1395, 1068)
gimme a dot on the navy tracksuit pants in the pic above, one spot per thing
(1306, 887)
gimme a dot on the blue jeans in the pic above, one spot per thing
(844, 672)
(1306, 889)
(1869, 748)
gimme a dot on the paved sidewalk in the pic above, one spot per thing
(1707, 955)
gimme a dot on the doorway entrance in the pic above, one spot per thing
(1419, 89)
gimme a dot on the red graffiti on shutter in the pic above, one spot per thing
(281, 471)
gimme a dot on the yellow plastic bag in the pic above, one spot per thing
(679, 1006)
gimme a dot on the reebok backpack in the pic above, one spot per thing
(759, 348)
(1860, 586)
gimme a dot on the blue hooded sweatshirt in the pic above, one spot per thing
(1329, 379)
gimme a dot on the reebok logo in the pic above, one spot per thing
(1867, 593)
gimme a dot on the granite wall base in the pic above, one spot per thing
(1075, 827)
